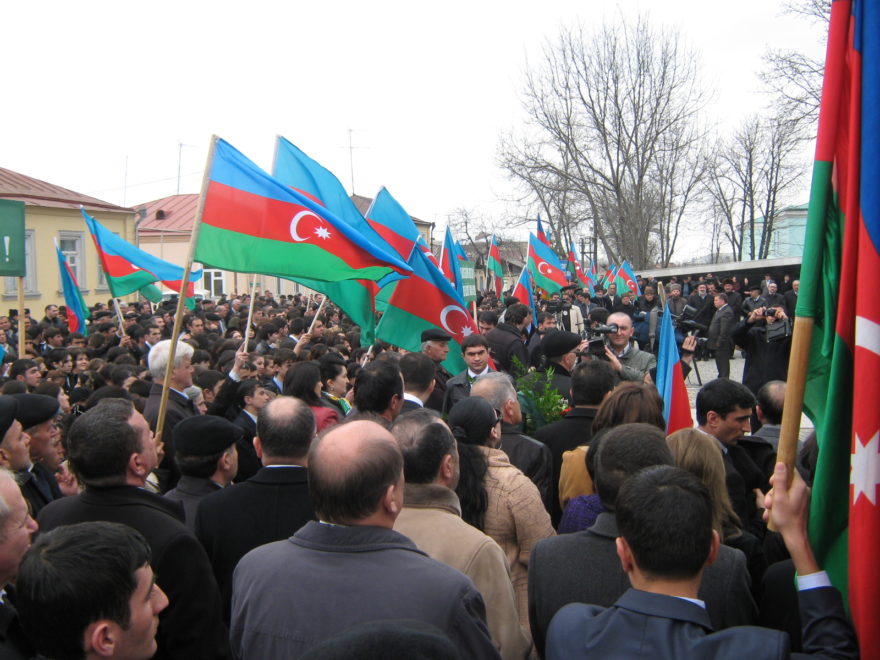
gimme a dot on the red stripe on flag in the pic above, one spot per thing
(421, 298)
(679, 407)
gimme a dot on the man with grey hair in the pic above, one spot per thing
(533, 458)
(435, 344)
(354, 566)
(16, 529)
(179, 406)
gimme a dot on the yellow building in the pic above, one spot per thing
(52, 213)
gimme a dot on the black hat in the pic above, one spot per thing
(8, 412)
(433, 334)
(35, 409)
(203, 435)
(558, 343)
(755, 287)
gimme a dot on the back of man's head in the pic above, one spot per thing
(375, 385)
(495, 387)
(771, 398)
(101, 441)
(75, 576)
(424, 440)
(722, 396)
(285, 428)
(516, 313)
(350, 469)
(625, 450)
(590, 382)
(665, 515)
(418, 371)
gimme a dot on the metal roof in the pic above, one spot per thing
(34, 192)
(173, 214)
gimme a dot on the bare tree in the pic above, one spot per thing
(795, 79)
(613, 138)
(749, 179)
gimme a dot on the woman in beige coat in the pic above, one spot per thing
(495, 496)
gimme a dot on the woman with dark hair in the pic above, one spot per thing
(334, 381)
(495, 496)
(303, 380)
(628, 403)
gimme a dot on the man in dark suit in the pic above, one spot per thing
(418, 371)
(791, 298)
(37, 414)
(252, 397)
(719, 333)
(208, 460)
(111, 451)
(435, 344)
(475, 353)
(583, 567)
(666, 541)
(591, 382)
(269, 506)
(179, 405)
(754, 301)
(529, 455)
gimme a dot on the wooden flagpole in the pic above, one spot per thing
(184, 285)
(250, 318)
(119, 316)
(317, 312)
(22, 330)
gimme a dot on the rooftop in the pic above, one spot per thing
(34, 192)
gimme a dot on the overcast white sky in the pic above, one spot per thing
(426, 89)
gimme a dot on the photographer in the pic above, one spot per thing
(765, 334)
(629, 362)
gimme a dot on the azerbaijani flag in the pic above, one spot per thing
(670, 379)
(130, 269)
(608, 278)
(449, 257)
(543, 264)
(357, 298)
(543, 236)
(626, 279)
(424, 300)
(523, 292)
(77, 310)
(842, 253)
(254, 223)
(396, 227)
(576, 271)
(494, 268)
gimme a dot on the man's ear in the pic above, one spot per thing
(258, 447)
(714, 548)
(136, 465)
(389, 500)
(712, 418)
(100, 638)
(447, 468)
(624, 553)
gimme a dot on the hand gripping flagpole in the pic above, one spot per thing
(184, 285)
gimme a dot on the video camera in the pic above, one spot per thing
(686, 323)
(596, 337)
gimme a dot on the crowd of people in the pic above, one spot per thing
(308, 496)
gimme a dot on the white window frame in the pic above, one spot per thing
(216, 276)
(30, 261)
(76, 258)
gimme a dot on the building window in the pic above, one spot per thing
(30, 279)
(71, 245)
(213, 282)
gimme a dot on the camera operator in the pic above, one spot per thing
(629, 362)
(765, 334)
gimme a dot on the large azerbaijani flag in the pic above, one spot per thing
(494, 268)
(77, 310)
(543, 264)
(253, 223)
(842, 253)
(357, 298)
(129, 269)
(424, 300)
(577, 272)
(524, 292)
(670, 379)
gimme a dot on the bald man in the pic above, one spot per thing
(354, 567)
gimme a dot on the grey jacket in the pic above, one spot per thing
(289, 595)
(584, 568)
(635, 364)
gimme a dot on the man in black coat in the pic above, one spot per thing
(527, 454)
(475, 353)
(561, 350)
(111, 450)
(591, 382)
(179, 405)
(719, 333)
(269, 506)
(207, 456)
(435, 344)
(791, 298)
(506, 341)
(583, 567)
(37, 414)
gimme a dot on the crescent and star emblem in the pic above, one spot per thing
(541, 264)
(445, 312)
(320, 230)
